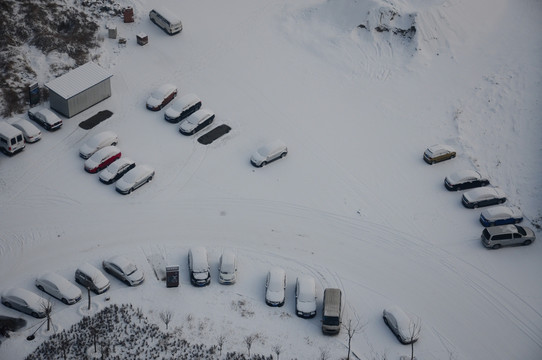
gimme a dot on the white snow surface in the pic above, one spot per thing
(353, 204)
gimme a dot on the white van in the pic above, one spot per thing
(11, 138)
(166, 20)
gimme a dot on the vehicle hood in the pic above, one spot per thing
(188, 126)
(91, 163)
(275, 296)
(87, 150)
(306, 306)
(172, 112)
(200, 275)
(257, 157)
(122, 184)
(136, 276)
(153, 102)
(106, 175)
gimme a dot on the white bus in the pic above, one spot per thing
(166, 20)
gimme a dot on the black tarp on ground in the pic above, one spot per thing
(95, 120)
(214, 134)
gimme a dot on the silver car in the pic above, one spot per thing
(138, 176)
(405, 328)
(124, 270)
(57, 286)
(268, 153)
(227, 268)
(507, 235)
(25, 301)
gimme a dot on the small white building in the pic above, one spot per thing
(79, 89)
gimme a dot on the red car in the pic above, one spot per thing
(161, 97)
(102, 158)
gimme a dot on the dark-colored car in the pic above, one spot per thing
(115, 171)
(124, 270)
(465, 179)
(197, 121)
(484, 196)
(46, 118)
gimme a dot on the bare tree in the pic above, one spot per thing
(277, 349)
(47, 307)
(324, 353)
(220, 342)
(94, 335)
(88, 296)
(249, 340)
(351, 330)
(166, 316)
(414, 329)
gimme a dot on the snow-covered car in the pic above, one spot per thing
(59, 287)
(405, 328)
(25, 301)
(197, 121)
(30, 132)
(437, 153)
(46, 118)
(183, 107)
(198, 266)
(305, 296)
(161, 96)
(102, 159)
(138, 176)
(484, 196)
(227, 268)
(275, 285)
(465, 179)
(500, 215)
(124, 270)
(267, 153)
(496, 237)
(116, 170)
(97, 142)
(91, 277)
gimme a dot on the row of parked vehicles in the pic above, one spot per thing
(102, 155)
(500, 221)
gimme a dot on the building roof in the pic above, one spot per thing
(78, 80)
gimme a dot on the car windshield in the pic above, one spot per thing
(331, 320)
(521, 230)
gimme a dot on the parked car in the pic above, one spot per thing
(90, 277)
(275, 285)
(102, 159)
(161, 96)
(437, 153)
(305, 296)
(25, 301)
(405, 328)
(182, 108)
(30, 132)
(500, 215)
(270, 152)
(11, 139)
(46, 118)
(484, 196)
(197, 121)
(57, 286)
(133, 179)
(465, 179)
(227, 268)
(124, 270)
(496, 237)
(97, 142)
(198, 266)
(116, 170)
(332, 311)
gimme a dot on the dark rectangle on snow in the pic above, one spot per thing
(95, 120)
(214, 134)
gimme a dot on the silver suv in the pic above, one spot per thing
(507, 235)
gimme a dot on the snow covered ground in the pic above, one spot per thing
(353, 204)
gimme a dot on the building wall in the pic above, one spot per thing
(81, 101)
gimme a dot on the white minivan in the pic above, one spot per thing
(166, 20)
(11, 139)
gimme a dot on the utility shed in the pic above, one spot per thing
(79, 89)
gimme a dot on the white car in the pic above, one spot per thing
(96, 142)
(138, 176)
(500, 215)
(25, 301)
(124, 270)
(405, 328)
(161, 97)
(305, 296)
(275, 286)
(268, 153)
(182, 108)
(46, 118)
(227, 268)
(59, 287)
(116, 170)
(30, 132)
(197, 121)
